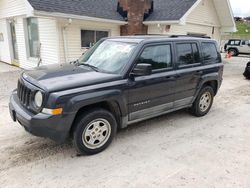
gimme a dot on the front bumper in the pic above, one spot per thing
(56, 128)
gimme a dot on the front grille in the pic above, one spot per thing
(24, 94)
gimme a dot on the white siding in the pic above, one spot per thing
(15, 10)
(177, 29)
(22, 52)
(6, 48)
(204, 14)
(73, 36)
(201, 21)
(51, 38)
(4, 45)
(11, 8)
(48, 38)
(196, 29)
(48, 35)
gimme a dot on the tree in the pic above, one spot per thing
(238, 19)
(247, 18)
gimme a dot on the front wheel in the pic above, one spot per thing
(94, 131)
(203, 102)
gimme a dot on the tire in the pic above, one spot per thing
(247, 71)
(94, 131)
(203, 102)
(234, 52)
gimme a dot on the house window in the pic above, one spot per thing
(90, 37)
(33, 36)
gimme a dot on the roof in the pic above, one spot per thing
(164, 10)
(105, 9)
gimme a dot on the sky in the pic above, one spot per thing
(241, 7)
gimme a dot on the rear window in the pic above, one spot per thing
(210, 52)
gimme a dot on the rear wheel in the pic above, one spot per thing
(203, 102)
(233, 52)
(94, 131)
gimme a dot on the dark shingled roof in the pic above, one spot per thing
(92, 8)
(164, 10)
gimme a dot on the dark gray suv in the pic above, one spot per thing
(119, 81)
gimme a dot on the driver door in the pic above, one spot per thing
(153, 94)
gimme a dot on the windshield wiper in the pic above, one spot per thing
(90, 66)
(77, 63)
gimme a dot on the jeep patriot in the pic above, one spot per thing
(118, 82)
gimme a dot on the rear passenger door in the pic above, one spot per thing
(189, 72)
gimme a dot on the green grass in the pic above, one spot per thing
(242, 27)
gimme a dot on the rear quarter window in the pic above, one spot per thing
(210, 52)
(245, 42)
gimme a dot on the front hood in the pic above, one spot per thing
(61, 77)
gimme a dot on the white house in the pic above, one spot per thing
(59, 31)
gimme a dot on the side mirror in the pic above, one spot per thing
(142, 70)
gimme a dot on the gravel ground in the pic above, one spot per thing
(175, 150)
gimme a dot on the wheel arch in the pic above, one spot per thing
(209, 80)
(212, 83)
(112, 106)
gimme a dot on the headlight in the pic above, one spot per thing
(38, 99)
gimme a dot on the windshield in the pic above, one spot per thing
(108, 56)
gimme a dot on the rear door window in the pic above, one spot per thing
(210, 52)
(187, 54)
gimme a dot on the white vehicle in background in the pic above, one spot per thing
(238, 46)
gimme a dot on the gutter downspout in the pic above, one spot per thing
(65, 43)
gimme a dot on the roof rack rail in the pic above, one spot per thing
(196, 36)
(149, 35)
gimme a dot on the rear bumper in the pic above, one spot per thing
(54, 127)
